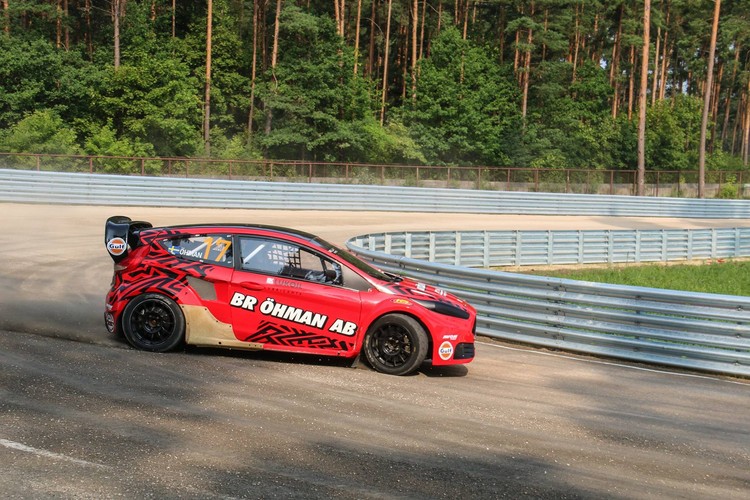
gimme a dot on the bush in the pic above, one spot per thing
(40, 132)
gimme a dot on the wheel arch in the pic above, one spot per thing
(160, 327)
(403, 312)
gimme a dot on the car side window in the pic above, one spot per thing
(269, 256)
(214, 248)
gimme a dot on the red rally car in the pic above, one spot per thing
(261, 287)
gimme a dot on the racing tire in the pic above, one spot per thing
(396, 344)
(153, 322)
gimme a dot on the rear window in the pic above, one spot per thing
(214, 248)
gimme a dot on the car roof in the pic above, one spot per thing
(230, 226)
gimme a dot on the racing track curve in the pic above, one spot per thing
(82, 414)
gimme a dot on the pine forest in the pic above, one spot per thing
(525, 83)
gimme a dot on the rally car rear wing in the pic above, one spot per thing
(121, 235)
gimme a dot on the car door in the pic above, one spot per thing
(287, 296)
(207, 260)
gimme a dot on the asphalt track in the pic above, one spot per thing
(82, 415)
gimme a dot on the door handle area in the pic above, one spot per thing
(249, 285)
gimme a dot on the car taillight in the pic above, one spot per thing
(133, 260)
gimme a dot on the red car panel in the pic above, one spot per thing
(258, 287)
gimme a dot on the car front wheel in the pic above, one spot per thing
(396, 344)
(153, 322)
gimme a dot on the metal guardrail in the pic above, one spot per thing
(691, 330)
(699, 331)
(525, 248)
(681, 183)
(98, 189)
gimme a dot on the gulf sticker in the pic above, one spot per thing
(116, 246)
(446, 351)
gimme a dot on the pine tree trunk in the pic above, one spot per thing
(576, 42)
(116, 11)
(527, 70)
(706, 103)
(655, 82)
(664, 69)
(595, 50)
(274, 55)
(174, 12)
(384, 94)
(740, 118)
(466, 20)
(667, 53)
(356, 36)
(728, 100)
(403, 57)
(253, 72)
(58, 24)
(440, 16)
(631, 82)
(414, 26)
(207, 100)
(614, 69)
(421, 30)
(89, 35)
(371, 58)
(517, 55)
(715, 106)
(6, 15)
(66, 12)
(337, 15)
(642, 100)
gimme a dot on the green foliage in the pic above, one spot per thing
(718, 276)
(40, 132)
(313, 105)
(153, 102)
(390, 144)
(36, 76)
(570, 123)
(672, 133)
(319, 107)
(466, 109)
(728, 190)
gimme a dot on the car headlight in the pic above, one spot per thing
(443, 308)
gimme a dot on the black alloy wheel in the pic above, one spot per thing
(396, 344)
(153, 322)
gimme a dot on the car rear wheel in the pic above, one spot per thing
(396, 344)
(153, 322)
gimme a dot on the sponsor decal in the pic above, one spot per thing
(269, 281)
(196, 254)
(445, 351)
(421, 287)
(450, 337)
(270, 307)
(116, 246)
(403, 302)
(287, 283)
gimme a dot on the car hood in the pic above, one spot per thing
(413, 289)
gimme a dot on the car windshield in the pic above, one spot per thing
(356, 262)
